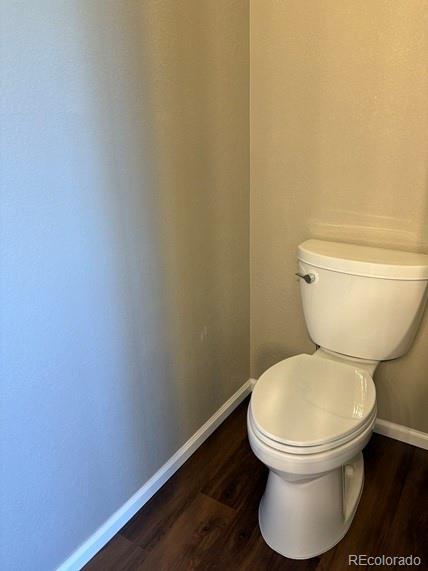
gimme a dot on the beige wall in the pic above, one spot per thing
(197, 65)
(124, 287)
(339, 139)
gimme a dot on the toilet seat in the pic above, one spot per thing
(301, 451)
(305, 405)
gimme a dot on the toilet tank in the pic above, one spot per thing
(363, 302)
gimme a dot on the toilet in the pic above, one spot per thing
(310, 416)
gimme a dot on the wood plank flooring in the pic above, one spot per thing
(205, 516)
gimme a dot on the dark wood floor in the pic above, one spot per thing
(205, 516)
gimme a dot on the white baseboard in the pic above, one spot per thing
(402, 433)
(116, 521)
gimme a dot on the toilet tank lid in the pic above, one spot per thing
(364, 260)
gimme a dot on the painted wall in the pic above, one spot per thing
(339, 135)
(124, 260)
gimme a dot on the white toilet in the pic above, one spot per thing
(310, 416)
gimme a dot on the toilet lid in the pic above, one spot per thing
(307, 401)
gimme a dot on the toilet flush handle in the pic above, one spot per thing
(309, 278)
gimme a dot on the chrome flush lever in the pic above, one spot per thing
(309, 278)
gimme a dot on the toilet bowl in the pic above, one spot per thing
(310, 416)
(310, 431)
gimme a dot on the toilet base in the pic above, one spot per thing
(304, 518)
